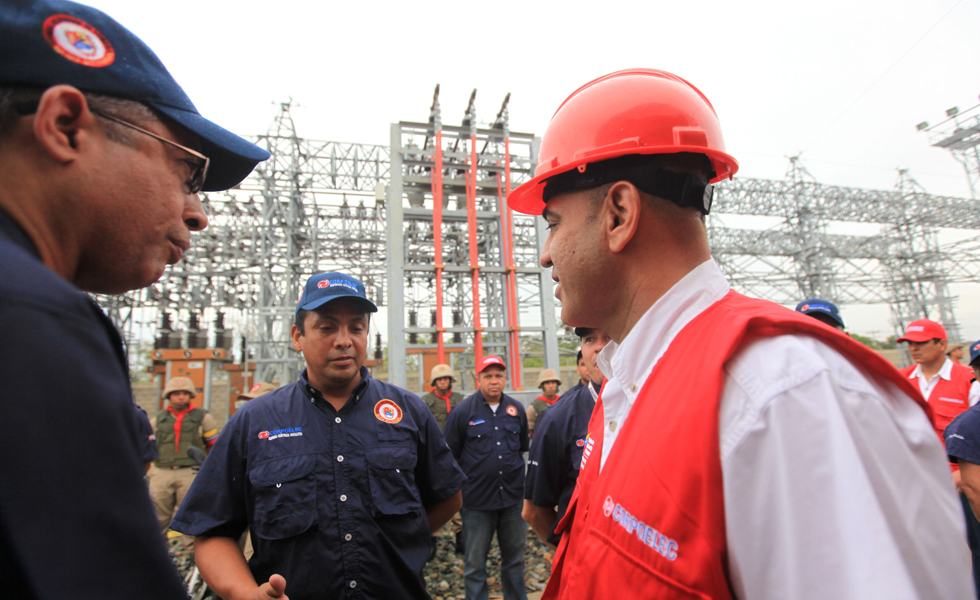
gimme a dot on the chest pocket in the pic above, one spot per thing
(391, 472)
(946, 409)
(512, 435)
(284, 492)
(478, 439)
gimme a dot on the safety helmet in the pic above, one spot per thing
(634, 111)
(440, 371)
(548, 375)
(179, 384)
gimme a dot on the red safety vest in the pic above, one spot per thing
(949, 398)
(651, 524)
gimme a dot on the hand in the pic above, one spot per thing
(274, 588)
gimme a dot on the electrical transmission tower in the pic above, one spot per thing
(960, 134)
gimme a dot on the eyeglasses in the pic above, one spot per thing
(200, 169)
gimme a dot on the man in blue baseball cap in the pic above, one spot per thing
(823, 311)
(340, 478)
(102, 157)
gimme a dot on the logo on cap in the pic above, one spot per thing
(805, 308)
(388, 411)
(916, 328)
(323, 284)
(78, 41)
(512, 411)
(255, 387)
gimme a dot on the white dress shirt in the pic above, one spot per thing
(835, 485)
(926, 385)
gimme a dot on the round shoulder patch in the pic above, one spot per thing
(78, 41)
(512, 410)
(388, 411)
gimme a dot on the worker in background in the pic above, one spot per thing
(554, 458)
(955, 352)
(583, 373)
(488, 434)
(823, 311)
(442, 398)
(147, 440)
(548, 381)
(102, 157)
(962, 437)
(260, 388)
(339, 477)
(177, 427)
(738, 445)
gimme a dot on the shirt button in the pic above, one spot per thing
(612, 425)
(353, 584)
(498, 443)
(337, 420)
(501, 472)
(348, 537)
(340, 458)
(500, 457)
(343, 497)
(496, 428)
(633, 387)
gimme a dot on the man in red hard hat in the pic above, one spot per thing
(739, 449)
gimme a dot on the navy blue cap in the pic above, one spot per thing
(974, 351)
(324, 287)
(816, 305)
(51, 42)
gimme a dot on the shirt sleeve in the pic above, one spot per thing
(215, 504)
(813, 452)
(963, 437)
(525, 430)
(454, 437)
(437, 475)
(546, 460)
(147, 437)
(974, 393)
(209, 430)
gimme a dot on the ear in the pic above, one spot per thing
(621, 214)
(63, 122)
(297, 338)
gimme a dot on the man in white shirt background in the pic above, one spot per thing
(833, 483)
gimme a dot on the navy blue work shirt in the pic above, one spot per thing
(147, 441)
(75, 517)
(963, 436)
(488, 446)
(556, 454)
(335, 500)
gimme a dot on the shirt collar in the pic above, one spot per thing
(946, 371)
(634, 359)
(314, 394)
(10, 229)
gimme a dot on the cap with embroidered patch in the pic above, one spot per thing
(817, 306)
(923, 330)
(974, 352)
(327, 287)
(489, 361)
(51, 42)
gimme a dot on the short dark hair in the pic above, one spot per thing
(578, 357)
(300, 320)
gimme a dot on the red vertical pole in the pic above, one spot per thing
(437, 243)
(516, 381)
(474, 261)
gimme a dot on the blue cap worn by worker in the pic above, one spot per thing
(974, 352)
(816, 306)
(44, 43)
(326, 287)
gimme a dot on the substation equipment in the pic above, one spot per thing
(423, 223)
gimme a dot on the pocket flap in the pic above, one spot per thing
(282, 469)
(392, 458)
(478, 429)
(512, 427)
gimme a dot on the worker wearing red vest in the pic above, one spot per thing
(738, 449)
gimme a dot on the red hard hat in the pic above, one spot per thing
(635, 111)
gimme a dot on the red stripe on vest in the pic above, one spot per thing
(651, 524)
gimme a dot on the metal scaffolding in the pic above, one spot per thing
(424, 224)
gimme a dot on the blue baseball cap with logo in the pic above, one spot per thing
(974, 352)
(818, 306)
(52, 42)
(326, 287)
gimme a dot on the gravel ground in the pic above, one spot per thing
(444, 573)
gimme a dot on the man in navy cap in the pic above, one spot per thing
(102, 156)
(488, 434)
(823, 311)
(340, 478)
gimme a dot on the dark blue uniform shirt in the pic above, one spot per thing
(488, 447)
(147, 441)
(556, 454)
(963, 436)
(335, 500)
(75, 517)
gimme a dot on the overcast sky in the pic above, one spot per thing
(844, 83)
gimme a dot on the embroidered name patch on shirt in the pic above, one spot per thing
(662, 544)
(281, 433)
(387, 411)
